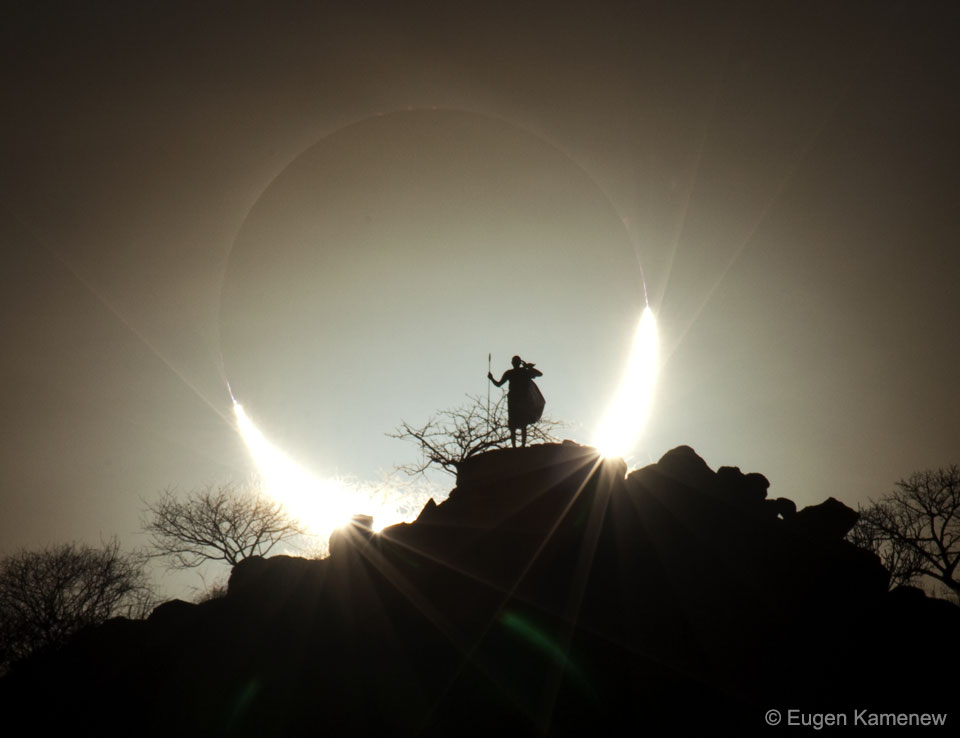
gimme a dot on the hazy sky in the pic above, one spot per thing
(353, 206)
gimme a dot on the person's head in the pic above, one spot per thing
(516, 361)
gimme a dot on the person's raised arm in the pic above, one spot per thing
(502, 379)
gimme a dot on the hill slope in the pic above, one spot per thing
(549, 594)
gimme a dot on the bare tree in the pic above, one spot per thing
(452, 436)
(897, 557)
(216, 523)
(916, 528)
(49, 594)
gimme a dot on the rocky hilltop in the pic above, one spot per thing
(551, 593)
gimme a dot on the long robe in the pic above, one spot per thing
(524, 401)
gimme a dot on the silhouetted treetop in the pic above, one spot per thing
(217, 523)
(451, 436)
(916, 528)
(49, 594)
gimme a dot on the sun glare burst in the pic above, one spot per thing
(322, 504)
(626, 416)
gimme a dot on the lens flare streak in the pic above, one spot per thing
(626, 416)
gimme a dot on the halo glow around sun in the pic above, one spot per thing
(626, 416)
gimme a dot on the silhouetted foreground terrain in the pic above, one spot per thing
(547, 594)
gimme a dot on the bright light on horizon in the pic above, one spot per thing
(321, 504)
(626, 416)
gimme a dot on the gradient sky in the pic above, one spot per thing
(353, 206)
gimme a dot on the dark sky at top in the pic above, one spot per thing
(785, 173)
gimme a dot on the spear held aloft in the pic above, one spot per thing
(489, 372)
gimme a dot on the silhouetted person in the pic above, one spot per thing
(524, 401)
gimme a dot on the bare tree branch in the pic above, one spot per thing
(49, 594)
(216, 523)
(916, 528)
(452, 436)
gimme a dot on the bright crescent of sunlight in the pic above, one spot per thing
(624, 420)
(321, 505)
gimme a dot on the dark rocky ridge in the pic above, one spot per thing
(548, 594)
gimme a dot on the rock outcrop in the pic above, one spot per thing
(551, 593)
